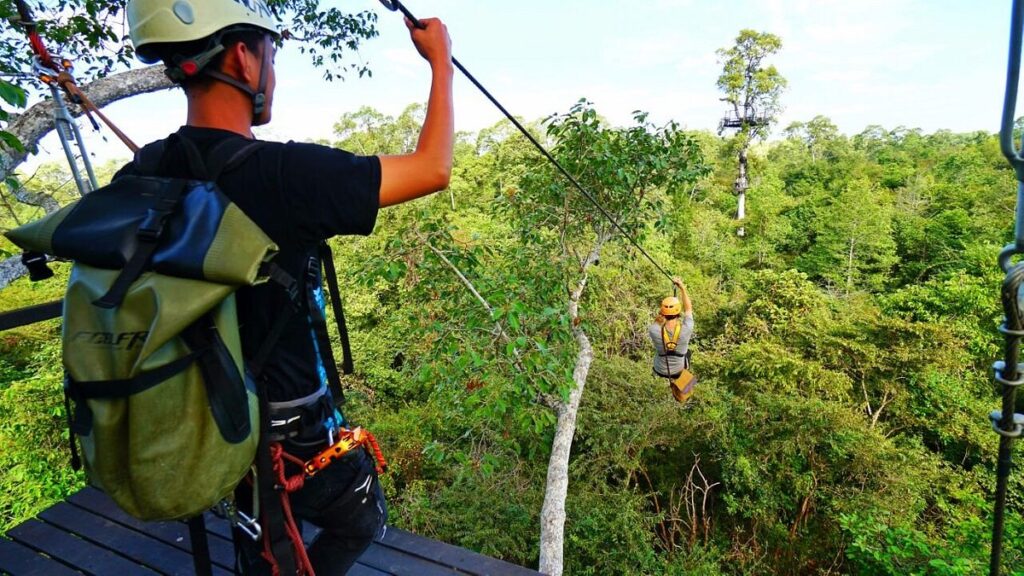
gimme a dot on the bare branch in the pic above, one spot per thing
(31, 126)
(10, 270)
(498, 329)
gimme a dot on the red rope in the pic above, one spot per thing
(40, 50)
(378, 456)
(289, 485)
(278, 456)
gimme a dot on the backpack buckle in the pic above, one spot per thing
(313, 268)
(153, 224)
(35, 262)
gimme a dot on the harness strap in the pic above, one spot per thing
(669, 339)
(327, 260)
(276, 274)
(319, 325)
(302, 417)
(275, 535)
(274, 509)
(200, 546)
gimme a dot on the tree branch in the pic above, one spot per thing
(32, 125)
(498, 329)
(10, 270)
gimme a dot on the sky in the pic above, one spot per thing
(928, 64)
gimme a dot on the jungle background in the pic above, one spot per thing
(843, 345)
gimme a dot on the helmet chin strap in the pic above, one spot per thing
(259, 95)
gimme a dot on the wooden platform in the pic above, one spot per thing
(89, 534)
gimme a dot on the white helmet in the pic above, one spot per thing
(170, 21)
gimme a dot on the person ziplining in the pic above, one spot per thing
(670, 334)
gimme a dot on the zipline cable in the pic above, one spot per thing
(1008, 372)
(397, 6)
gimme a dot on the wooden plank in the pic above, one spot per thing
(222, 552)
(448, 555)
(364, 570)
(76, 552)
(134, 545)
(18, 560)
(217, 526)
(392, 561)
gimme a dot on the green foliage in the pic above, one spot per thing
(368, 132)
(34, 450)
(883, 547)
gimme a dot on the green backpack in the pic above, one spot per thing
(165, 406)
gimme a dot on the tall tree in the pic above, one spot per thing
(752, 88)
(628, 171)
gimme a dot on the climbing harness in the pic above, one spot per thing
(397, 6)
(670, 336)
(1008, 372)
(683, 383)
(348, 440)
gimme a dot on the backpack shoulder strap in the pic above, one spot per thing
(148, 159)
(224, 156)
(229, 154)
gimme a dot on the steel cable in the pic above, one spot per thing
(396, 5)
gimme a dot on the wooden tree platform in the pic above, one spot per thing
(88, 534)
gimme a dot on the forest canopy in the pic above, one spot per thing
(843, 343)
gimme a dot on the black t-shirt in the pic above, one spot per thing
(299, 194)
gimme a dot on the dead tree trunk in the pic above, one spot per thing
(740, 187)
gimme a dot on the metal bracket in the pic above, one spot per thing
(999, 367)
(238, 519)
(996, 417)
(1008, 332)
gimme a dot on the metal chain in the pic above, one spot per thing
(1008, 373)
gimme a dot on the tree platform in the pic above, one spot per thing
(88, 534)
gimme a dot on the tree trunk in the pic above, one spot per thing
(552, 514)
(849, 268)
(31, 126)
(740, 186)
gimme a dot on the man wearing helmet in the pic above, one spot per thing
(222, 54)
(670, 336)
